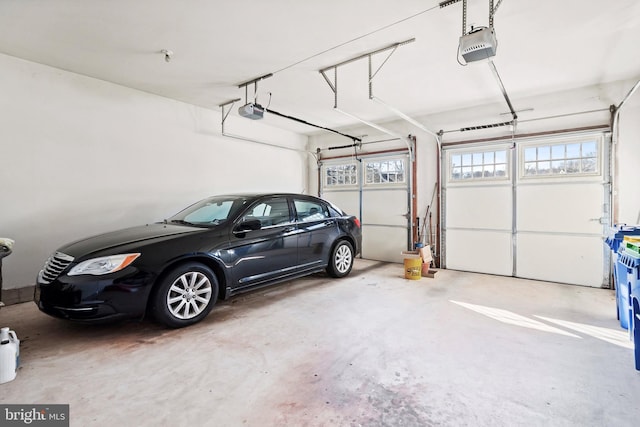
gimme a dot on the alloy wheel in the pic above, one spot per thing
(189, 295)
(343, 259)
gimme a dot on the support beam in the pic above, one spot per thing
(334, 84)
(222, 106)
(254, 81)
(365, 55)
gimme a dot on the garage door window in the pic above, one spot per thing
(478, 165)
(385, 172)
(576, 158)
(341, 175)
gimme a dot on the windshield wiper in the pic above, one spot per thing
(182, 221)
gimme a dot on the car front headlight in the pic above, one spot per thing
(103, 265)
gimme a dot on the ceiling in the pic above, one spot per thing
(544, 46)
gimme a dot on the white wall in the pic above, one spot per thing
(81, 156)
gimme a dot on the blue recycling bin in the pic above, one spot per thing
(631, 264)
(635, 303)
(623, 292)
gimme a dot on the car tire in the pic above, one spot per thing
(341, 260)
(185, 295)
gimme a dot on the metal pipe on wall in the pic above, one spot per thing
(514, 204)
(413, 213)
(441, 205)
(439, 219)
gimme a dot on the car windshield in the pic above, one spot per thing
(210, 212)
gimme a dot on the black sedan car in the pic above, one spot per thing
(177, 269)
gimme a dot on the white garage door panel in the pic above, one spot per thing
(345, 200)
(383, 243)
(569, 208)
(560, 258)
(483, 252)
(479, 207)
(387, 207)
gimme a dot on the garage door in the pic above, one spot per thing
(377, 190)
(534, 210)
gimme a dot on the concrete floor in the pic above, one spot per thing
(373, 349)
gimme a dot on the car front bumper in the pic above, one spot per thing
(93, 299)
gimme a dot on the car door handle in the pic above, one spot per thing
(289, 229)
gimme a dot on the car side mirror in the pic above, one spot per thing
(249, 225)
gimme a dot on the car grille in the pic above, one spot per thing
(54, 266)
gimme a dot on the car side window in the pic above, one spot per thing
(270, 212)
(308, 210)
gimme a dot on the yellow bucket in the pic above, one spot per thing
(412, 267)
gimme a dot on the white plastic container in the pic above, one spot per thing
(9, 355)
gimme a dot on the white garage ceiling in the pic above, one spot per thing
(544, 46)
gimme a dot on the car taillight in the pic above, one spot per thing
(357, 221)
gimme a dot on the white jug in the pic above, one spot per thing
(9, 355)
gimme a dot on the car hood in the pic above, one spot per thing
(125, 236)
